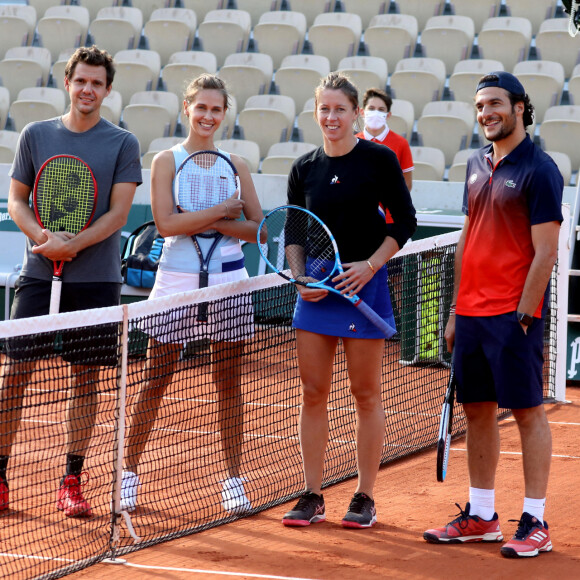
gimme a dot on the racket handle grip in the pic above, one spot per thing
(55, 289)
(367, 311)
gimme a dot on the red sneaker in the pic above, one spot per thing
(466, 528)
(3, 495)
(70, 498)
(530, 539)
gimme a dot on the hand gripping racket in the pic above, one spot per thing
(312, 253)
(444, 440)
(205, 179)
(64, 200)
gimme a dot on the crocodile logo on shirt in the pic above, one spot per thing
(510, 183)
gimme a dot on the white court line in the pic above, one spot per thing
(519, 453)
(198, 571)
(29, 557)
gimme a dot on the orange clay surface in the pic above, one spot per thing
(409, 500)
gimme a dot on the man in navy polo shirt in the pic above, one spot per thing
(505, 255)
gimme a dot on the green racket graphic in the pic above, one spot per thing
(64, 200)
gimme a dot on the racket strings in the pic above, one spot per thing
(204, 181)
(65, 195)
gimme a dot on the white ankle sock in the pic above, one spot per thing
(482, 502)
(535, 507)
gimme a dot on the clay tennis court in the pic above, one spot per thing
(408, 501)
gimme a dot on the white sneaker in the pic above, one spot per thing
(234, 498)
(129, 486)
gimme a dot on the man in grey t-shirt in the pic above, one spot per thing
(92, 273)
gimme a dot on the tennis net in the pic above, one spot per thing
(196, 442)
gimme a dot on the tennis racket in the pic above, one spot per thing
(64, 200)
(312, 254)
(444, 440)
(205, 179)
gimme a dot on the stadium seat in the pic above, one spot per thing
(112, 107)
(4, 106)
(41, 6)
(281, 156)
(8, 141)
(560, 131)
(466, 74)
(36, 54)
(564, 165)
(158, 144)
(14, 31)
(224, 32)
(311, 8)
(299, 75)
(79, 13)
(280, 33)
(392, 37)
(256, 8)
(147, 122)
(162, 98)
(267, 119)
(536, 12)
(170, 30)
(59, 33)
(137, 70)
(202, 7)
(366, 9)
(365, 72)
(25, 111)
(458, 167)
(449, 38)
(249, 151)
(117, 28)
(544, 83)
(402, 118)
(247, 74)
(429, 163)
(335, 35)
(184, 67)
(17, 74)
(422, 10)
(57, 69)
(307, 126)
(23, 11)
(418, 80)
(505, 38)
(553, 42)
(574, 86)
(54, 96)
(478, 11)
(147, 7)
(446, 125)
(94, 6)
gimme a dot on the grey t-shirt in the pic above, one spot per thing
(113, 155)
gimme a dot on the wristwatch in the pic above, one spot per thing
(525, 319)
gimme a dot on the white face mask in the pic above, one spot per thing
(375, 120)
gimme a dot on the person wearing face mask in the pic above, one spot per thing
(377, 110)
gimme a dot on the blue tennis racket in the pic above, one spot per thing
(311, 253)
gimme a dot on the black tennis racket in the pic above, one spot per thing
(64, 200)
(312, 255)
(205, 179)
(444, 440)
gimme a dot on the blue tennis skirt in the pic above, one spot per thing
(337, 316)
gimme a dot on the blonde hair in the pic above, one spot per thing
(203, 82)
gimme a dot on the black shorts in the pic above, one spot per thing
(495, 360)
(91, 346)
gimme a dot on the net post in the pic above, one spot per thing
(562, 277)
(116, 513)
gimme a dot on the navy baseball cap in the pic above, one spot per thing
(503, 80)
